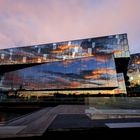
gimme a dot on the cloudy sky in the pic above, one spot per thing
(29, 22)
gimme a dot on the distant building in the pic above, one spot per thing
(84, 66)
(134, 69)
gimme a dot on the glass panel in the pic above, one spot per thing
(117, 44)
(87, 72)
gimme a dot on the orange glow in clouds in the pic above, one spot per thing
(104, 70)
(92, 76)
(74, 84)
(97, 73)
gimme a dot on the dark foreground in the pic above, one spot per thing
(70, 122)
(95, 134)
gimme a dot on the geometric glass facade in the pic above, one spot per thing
(85, 65)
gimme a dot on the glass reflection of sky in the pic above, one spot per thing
(79, 73)
(72, 66)
(116, 44)
(121, 84)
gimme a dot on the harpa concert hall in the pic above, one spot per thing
(85, 66)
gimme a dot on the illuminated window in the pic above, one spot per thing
(117, 36)
(39, 60)
(90, 50)
(131, 78)
(93, 44)
(24, 59)
(69, 43)
(2, 56)
(44, 56)
(11, 51)
(39, 49)
(54, 46)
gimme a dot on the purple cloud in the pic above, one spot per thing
(29, 22)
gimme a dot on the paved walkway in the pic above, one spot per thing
(36, 123)
(63, 117)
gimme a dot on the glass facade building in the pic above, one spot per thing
(134, 69)
(134, 73)
(76, 66)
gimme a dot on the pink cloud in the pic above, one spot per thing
(34, 22)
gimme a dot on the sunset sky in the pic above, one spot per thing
(29, 22)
